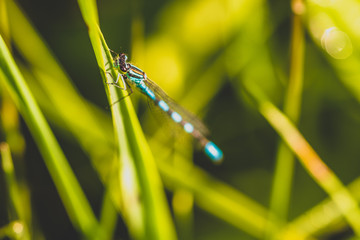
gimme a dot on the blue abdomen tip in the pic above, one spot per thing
(213, 151)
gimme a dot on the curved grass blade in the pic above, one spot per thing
(144, 204)
(317, 169)
(43, 80)
(74, 199)
(216, 197)
(19, 203)
(316, 220)
(285, 159)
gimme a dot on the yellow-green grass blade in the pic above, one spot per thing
(17, 200)
(285, 161)
(4, 22)
(74, 199)
(311, 161)
(93, 129)
(321, 219)
(216, 197)
(144, 204)
(95, 133)
(108, 216)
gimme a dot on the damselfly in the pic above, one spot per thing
(132, 75)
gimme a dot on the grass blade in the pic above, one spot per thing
(217, 198)
(150, 218)
(74, 199)
(19, 203)
(282, 182)
(309, 158)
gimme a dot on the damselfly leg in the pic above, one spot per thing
(126, 87)
(115, 83)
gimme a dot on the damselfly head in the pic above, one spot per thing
(123, 56)
(122, 63)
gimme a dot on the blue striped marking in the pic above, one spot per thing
(163, 106)
(135, 74)
(135, 80)
(213, 152)
(176, 117)
(150, 94)
(188, 127)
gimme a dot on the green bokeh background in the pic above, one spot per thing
(201, 52)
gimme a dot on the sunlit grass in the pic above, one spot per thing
(233, 63)
(78, 208)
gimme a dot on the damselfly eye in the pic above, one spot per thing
(122, 63)
(123, 57)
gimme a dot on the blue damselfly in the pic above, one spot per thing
(132, 75)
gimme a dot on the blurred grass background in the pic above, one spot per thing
(230, 62)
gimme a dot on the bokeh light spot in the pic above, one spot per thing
(336, 43)
(18, 227)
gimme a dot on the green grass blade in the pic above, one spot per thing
(93, 134)
(150, 218)
(309, 158)
(19, 203)
(316, 221)
(108, 216)
(282, 183)
(74, 199)
(217, 198)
